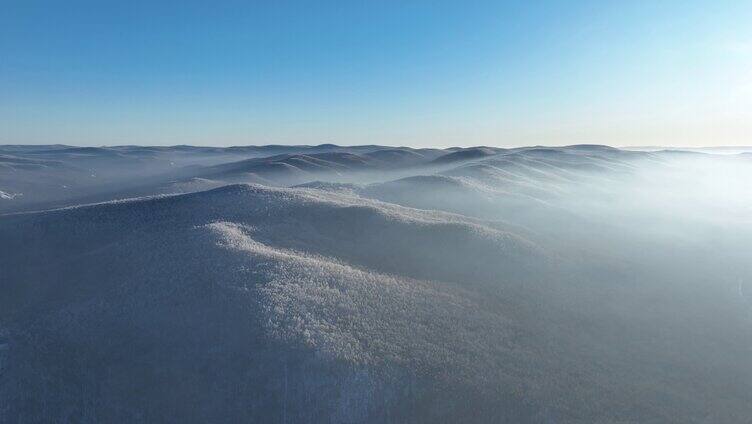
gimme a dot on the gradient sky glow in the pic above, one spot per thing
(417, 73)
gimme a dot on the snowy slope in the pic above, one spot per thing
(537, 285)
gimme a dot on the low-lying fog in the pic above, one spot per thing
(375, 284)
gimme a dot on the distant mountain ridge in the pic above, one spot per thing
(42, 177)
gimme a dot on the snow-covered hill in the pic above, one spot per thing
(526, 285)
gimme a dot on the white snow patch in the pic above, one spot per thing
(4, 195)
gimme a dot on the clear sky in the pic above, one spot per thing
(406, 72)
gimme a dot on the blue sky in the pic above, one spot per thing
(356, 72)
